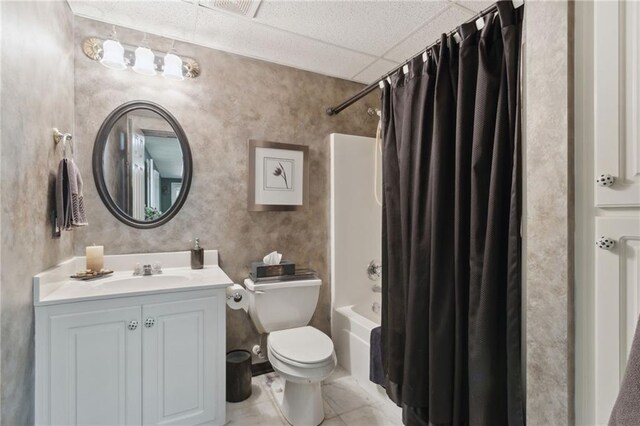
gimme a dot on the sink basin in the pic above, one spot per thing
(158, 281)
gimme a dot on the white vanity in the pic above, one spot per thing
(131, 349)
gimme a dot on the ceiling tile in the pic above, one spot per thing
(475, 5)
(429, 33)
(375, 71)
(245, 37)
(365, 26)
(169, 18)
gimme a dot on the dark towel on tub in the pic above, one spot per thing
(626, 410)
(376, 373)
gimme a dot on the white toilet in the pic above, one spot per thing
(302, 355)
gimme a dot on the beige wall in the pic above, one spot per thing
(37, 95)
(233, 100)
(549, 212)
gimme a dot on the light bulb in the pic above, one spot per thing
(172, 67)
(144, 61)
(113, 55)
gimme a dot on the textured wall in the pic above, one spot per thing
(234, 99)
(549, 212)
(37, 95)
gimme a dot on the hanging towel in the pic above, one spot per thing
(376, 372)
(626, 410)
(69, 199)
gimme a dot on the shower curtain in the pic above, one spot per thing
(451, 229)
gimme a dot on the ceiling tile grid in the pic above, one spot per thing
(169, 18)
(238, 35)
(430, 32)
(375, 70)
(366, 26)
(357, 40)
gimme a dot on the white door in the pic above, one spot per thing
(617, 101)
(617, 305)
(607, 141)
(138, 180)
(96, 370)
(182, 349)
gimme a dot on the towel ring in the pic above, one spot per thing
(58, 137)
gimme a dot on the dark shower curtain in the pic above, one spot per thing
(451, 229)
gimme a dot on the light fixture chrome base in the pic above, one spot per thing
(92, 48)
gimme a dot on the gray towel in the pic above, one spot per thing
(376, 371)
(626, 410)
(69, 199)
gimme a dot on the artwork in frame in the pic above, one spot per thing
(278, 176)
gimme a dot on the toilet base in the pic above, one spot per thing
(302, 403)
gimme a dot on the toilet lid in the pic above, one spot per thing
(306, 345)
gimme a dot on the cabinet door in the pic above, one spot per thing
(617, 305)
(183, 352)
(617, 101)
(96, 368)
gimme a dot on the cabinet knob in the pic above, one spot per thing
(605, 180)
(133, 324)
(149, 322)
(605, 243)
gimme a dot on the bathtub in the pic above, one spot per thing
(356, 240)
(351, 329)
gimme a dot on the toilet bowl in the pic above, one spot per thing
(303, 357)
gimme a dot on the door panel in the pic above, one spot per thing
(179, 362)
(616, 101)
(97, 374)
(617, 305)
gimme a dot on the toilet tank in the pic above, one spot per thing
(283, 304)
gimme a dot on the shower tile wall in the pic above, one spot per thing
(37, 95)
(234, 99)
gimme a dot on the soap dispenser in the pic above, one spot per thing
(197, 255)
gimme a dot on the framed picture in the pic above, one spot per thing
(278, 176)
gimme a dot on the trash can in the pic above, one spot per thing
(238, 375)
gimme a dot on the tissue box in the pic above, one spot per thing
(260, 270)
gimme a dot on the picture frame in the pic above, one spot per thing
(278, 176)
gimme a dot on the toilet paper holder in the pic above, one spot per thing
(236, 296)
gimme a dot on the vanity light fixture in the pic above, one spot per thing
(144, 62)
(112, 54)
(172, 67)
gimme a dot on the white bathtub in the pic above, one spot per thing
(351, 329)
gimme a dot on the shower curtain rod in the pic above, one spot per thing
(364, 92)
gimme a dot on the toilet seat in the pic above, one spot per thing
(304, 347)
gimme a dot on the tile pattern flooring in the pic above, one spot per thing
(345, 404)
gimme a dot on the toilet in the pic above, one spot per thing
(302, 355)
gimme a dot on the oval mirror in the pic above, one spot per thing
(142, 164)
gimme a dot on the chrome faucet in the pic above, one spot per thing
(376, 288)
(147, 270)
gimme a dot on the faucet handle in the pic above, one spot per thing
(137, 269)
(146, 269)
(157, 267)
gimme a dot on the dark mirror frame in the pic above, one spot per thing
(98, 169)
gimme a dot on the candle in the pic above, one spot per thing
(95, 258)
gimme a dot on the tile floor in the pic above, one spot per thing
(345, 404)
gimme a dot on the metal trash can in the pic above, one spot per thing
(238, 375)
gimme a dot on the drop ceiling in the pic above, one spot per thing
(350, 39)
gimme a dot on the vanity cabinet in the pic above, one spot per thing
(153, 359)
